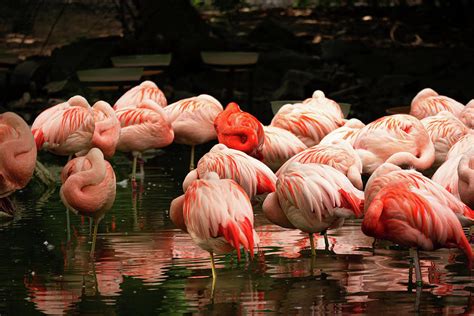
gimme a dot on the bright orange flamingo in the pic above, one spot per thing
(217, 214)
(308, 122)
(400, 139)
(279, 146)
(251, 174)
(339, 154)
(88, 187)
(312, 198)
(467, 114)
(69, 128)
(17, 158)
(144, 127)
(147, 90)
(391, 174)
(445, 130)
(192, 120)
(416, 218)
(240, 130)
(428, 103)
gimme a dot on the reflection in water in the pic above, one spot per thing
(144, 265)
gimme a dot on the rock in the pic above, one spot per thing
(273, 32)
(293, 85)
(339, 49)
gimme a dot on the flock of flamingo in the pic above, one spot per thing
(307, 166)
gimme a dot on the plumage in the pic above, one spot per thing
(467, 114)
(251, 174)
(445, 130)
(400, 139)
(240, 130)
(428, 103)
(279, 146)
(462, 146)
(388, 174)
(107, 128)
(65, 129)
(309, 123)
(339, 155)
(217, 214)
(319, 100)
(348, 132)
(147, 90)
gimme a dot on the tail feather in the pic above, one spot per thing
(236, 234)
(39, 138)
(351, 202)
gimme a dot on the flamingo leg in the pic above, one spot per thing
(94, 237)
(68, 225)
(311, 241)
(142, 167)
(90, 226)
(191, 161)
(374, 244)
(134, 166)
(416, 259)
(326, 240)
(410, 273)
(214, 275)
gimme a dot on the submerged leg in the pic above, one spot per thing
(68, 225)
(191, 162)
(419, 279)
(311, 241)
(214, 276)
(134, 166)
(410, 271)
(94, 237)
(90, 226)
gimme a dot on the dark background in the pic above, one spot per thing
(372, 54)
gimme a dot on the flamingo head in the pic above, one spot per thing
(240, 130)
(107, 128)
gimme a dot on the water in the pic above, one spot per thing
(144, 265)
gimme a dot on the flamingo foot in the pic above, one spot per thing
(311, 241)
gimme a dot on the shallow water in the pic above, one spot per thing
(144, 265)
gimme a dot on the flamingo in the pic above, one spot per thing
(445, 130)
(319, 100)
(309, 123)
(389, 173)
(240, 130)
(138, 94)
(251, 174)
(428, 103)
(400, 139)
(467, 114)
(65, 129)
(69, 128)
(17, 159)
(279, 146)
(456, 175)
(462, 146)
(217, 214)
(348, 132)
(88, 187)
(413, 217)
(312, 198)
(192, 120)
(339, 154)
(144, 127)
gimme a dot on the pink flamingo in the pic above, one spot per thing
(192, 120)
(413, 217)
(391, 174)
(17, 159)
(319, 100)
(251, 174)
(88, 187)
(309, 123)
(312, 198)
(340, 155)
(467, 114)
(279, 146)
(145, 126)
(65, 129)
(456, 175)
(400, 139)
(70, 128)
(428, 103)
(462, 146)
(348, 132)
(147, 90)
(217, 214)
(445, 130)
(240, 130)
